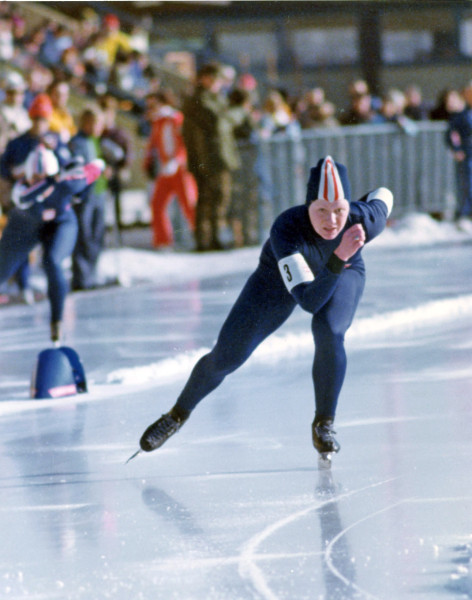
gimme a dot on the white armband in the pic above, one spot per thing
(294, 270)
(384, 194)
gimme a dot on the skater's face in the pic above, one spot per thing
(328, 218)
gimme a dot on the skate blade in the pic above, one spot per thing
(324, 460)
(132, 456)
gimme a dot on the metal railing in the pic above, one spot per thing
(416, 166)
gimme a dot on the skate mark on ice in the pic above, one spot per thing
(329, 552)
(46, 507)
(248, 567)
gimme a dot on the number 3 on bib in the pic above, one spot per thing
(294, 270)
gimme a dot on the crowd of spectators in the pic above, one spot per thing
(97, 59)
(96, 56)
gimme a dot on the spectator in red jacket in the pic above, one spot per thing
(167, 154)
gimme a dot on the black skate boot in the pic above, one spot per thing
(56, 332)
(160, 431)
(324, 440)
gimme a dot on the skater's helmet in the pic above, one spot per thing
(328, 181)
(40, 163)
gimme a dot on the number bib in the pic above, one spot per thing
(294, 270)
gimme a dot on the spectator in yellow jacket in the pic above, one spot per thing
(113, 39)
(61, 120)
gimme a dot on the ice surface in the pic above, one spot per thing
(234, 507)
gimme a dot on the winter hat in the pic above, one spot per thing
(328, 181)
(14, 81)
(41, 107)
(41, 161)
(111, 21)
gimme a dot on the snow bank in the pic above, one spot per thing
(131, 265)
(279, 347)
(421, 230)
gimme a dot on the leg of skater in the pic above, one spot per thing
(329, 367)
(58, 243)
(82, 271)
(259, 311)
(90, 241)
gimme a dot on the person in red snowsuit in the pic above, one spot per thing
(166, 148)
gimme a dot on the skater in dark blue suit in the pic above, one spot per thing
(43, 215)
(313, 259)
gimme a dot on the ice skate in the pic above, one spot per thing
(56, 333)
(160, 431)
(324, 441)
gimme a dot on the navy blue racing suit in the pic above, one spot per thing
(329, 289)
(15, 154)
(45, 216)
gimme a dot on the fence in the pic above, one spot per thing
(416, 166)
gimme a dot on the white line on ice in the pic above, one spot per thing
(248, 568)
(44, 507)
(378, 420)
(212, 562)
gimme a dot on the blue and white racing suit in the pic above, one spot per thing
(43, 215)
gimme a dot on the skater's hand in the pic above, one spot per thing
(352, 240)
